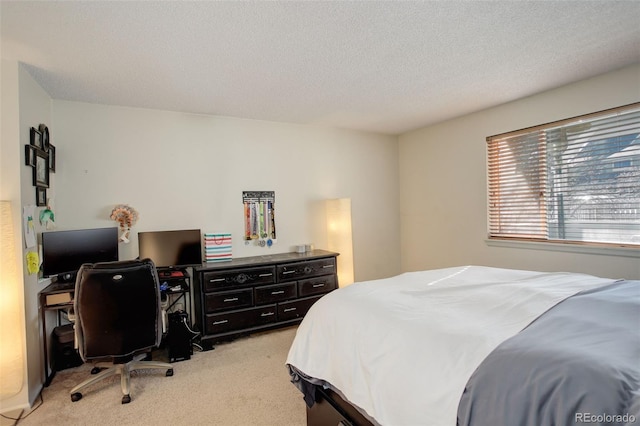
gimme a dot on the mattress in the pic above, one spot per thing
(402, 349)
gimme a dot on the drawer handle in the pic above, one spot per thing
(289, 309)
(265, 275)
(267, 314)
(220, 322)
(217, 280)
(288, 272)
(231, 299)
(318, 285)
(273, 293)
(327, 266)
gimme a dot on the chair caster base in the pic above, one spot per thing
(76, 397)
(169, 372)
(96, 370)
(126, 399)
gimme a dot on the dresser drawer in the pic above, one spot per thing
(240, 319)
(312, 268)
(215, 280)
(317, 285)
(275, 293)
(295, 308)
(232, 299)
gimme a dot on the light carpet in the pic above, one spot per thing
(244, 382)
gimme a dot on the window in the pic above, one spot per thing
(575, 180)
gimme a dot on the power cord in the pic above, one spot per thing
(11, 418)
(195, 334)
(20, 417)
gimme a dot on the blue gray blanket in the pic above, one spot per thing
(579, 363)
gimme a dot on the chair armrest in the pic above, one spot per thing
(164, 321)
(71, 316)
(164, 302)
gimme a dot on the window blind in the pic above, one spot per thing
(576, 180)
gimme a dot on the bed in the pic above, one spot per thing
(472, 345)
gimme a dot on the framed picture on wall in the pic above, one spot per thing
(29, 156)
(36, 138)
(52, 158)
(41, 169)
(44, 130)
(41, 196)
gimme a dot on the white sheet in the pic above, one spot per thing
(403, 348)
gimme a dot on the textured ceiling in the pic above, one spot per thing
(386, 67)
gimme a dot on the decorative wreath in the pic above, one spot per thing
(126, 216)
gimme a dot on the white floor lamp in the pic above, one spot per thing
(11, 334)
(340, 237)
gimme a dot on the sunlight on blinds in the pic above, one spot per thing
(576, 180)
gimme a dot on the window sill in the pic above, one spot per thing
(572, 248)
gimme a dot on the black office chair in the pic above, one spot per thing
(118, 318)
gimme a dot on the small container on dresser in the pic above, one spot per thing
(257, 293)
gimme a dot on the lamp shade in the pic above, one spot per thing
(11, 345)
(340, 238)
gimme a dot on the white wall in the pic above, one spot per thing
(443, 205)
(183, 171)
(35, 108)
(24, 105)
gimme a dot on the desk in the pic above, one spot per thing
(55, 297)
(59, 297)
(176, 285)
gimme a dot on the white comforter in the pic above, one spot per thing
(402, 349)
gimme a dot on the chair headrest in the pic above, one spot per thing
(122, 264)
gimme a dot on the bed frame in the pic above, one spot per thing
(331, 409)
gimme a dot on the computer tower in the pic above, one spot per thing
(64, 353)
(179, 337)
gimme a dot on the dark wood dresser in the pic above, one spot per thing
(257, 293)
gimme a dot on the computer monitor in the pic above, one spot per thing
(63, 252)
(170, 249)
